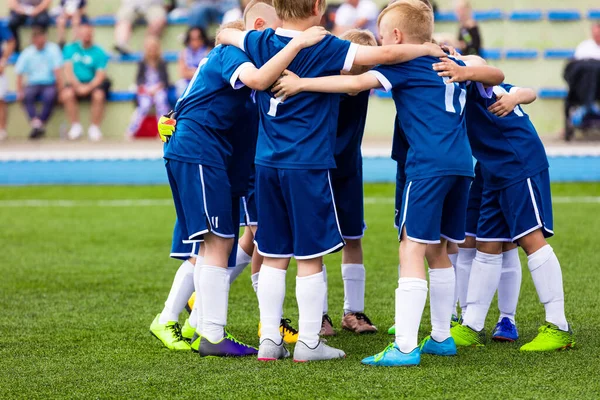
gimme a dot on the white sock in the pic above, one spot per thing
(270, 293)
(241, 262)
(214, 293)
(310, 291)
(196, 314)
(453, 258)
(326, 298)
(547, 278)
(441, 302)
(510, 284)
(411, 296)
(483, 283)
(254, 279)
(354, 287)
(463, 271)
(181, 290)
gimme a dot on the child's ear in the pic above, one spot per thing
(317, 7)
(259, 24)
(398, 36)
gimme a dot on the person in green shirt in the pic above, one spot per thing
(85, 69)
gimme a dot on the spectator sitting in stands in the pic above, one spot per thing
(85, 71)
(7, 47)
(468, 36)
(359, 14)
(206, 12)
(190, 57)
(23, 11)
(152, 85)
(235, 13)
(70, 10)
(151, 10)
(590, 49)
(41, 65)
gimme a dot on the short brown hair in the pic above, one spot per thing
(237, 24)
(252, 3)
(297, 9)
(412, 17)
(427, 2)
(361, 37)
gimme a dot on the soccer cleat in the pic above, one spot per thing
(456, 320)
(289, 334)
(550, 338)
(431, 346)
(465, 336)
(391, 356)
(392, 330)
(166, 127)
(327, 326)
(189, 306)
(169, 334)
(322, 352)
(358, 323)
(228, 346)
(505, 331)
(187, 330)
(271, 351)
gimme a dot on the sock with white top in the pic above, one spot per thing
(453, 258)
(464, 261)
(411, 296)
(214, 294)
(354, 287)
(310, 291)
(326, 298)
(547, 278)
(241, 262)
(441, 302)
(271, 293)
(483, 283)
(181, 290)
(510, 284)
(254, 279)
(196, 314)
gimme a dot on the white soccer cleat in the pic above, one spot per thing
(75, 132)
(303, 353)
(94, 133)
(268, 350)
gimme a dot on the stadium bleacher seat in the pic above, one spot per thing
(516, 54)
(594, 14)
(564, 15)
(552, 93)
(526, 15)
(492, 54)
(558, 53)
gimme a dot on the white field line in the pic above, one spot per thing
(168, 202)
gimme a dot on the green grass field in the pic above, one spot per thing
(82, 280)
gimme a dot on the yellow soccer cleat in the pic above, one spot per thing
(166, 126)
(190, 304)
(288, 333)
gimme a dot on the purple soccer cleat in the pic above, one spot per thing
(226, 347)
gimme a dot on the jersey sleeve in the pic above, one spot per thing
(476, 90)
(390, 76)
(251, 44)
(509, 88)
(339, 54)
(233, 62)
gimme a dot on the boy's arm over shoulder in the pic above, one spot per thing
(395, 54)
(508, 97)
(458, 71)
(290, 84)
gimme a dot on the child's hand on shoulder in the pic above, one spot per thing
(288, 85)
(504, 105)
(310, 37)
(434, 50)
(449, 68)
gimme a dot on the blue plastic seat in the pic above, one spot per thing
(552, 93)
(564, 15)
(445, 16)
(492, 54)
(558, 53)
(488, 15)
(526, 15)
(518, 54)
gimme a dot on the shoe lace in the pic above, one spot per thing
(363, 317)
(328, 319)
(176, 329)
(233, 339)
(287, 328)
(379, 356)
(506, 325)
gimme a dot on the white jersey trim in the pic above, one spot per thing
(350, 56)
(234, 80)
(387, 86)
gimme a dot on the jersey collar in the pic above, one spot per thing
(287, 32)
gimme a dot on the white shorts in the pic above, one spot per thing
(2, 87)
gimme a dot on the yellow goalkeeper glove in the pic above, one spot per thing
(166, 127)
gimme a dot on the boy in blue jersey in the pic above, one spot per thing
(295, 152)
(438, 171)
(197, 161)
(516, 206)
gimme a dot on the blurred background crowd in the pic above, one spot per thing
(69, 67)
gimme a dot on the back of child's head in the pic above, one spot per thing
(361, 37)
(237, 24)
(255, 4)
(413, 18)
(427, 2)
(293, 10)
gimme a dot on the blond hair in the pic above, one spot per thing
(253, 3)
(411, 17)
(297, 9)
(361, 37)
(427, 2)
(237, 24)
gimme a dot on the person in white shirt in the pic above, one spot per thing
(361, 14)
(235, 13)
(590, 49)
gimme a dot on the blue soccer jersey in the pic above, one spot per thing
(431, 114)
(300, 133)
(350, 131)
(399, 147)
(509, 148)
(245, 133)
(209, 108)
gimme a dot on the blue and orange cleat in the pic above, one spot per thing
(505, 331)
(391, 356)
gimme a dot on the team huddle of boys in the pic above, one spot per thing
(268, 134)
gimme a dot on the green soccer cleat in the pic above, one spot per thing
(550, 338)
(187, 330)
(169, 334)
(465, 336)
(392, 330)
